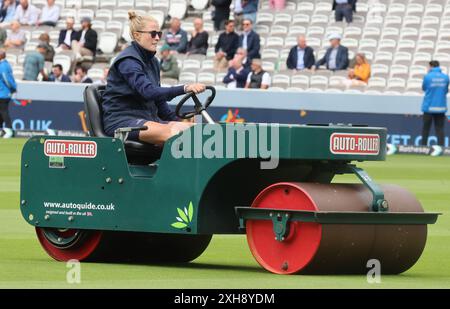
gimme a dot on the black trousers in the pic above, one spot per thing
(439, 122)
(343, 10)
(4, 113)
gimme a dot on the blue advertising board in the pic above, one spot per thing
(402, 129)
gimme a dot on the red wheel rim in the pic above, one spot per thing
(298, 249)
(81, 250)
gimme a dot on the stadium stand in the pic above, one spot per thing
(398, 37)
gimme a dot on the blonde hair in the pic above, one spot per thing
(138, 22)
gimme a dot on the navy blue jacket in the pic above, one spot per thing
(435, 85)
(240, 77)
(7, 81)
(62, 35)
(341, 58)
(252, 44)
(133, 90)
(64, 78)
(308, 58)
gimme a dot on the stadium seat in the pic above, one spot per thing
(95, 74)
(107, 42)
(65, 61)
(125, 4)
(91, 4)
(178, 8)
(187, 77)
(199, 4)
(206, 78)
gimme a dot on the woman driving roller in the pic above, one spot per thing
(133, 95)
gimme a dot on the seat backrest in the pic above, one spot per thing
(93, 109)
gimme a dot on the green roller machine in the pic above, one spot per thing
(108, 199)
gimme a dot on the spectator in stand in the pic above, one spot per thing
(336, 56)
(237, 14)
(16, 38)
(301, 56)
(226, 46)
(68, 35)
(360, 74)
(242, 54)
(249, 40)
(258, 78)
(27, 14)
(80, 76)
(3, 36)
(176, 37)
(237, 74)
(277, 5)
(86, 42)
(221, 13)
(44, 39)
(7, 12)
(199, 39)
(58, 76)
(34, 64)
(249, 9)
(344, 9)
(435, 85)
(50, 14)
(7, 88)
(169, 64)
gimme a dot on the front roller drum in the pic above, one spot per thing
(314, 248)
(108, 246)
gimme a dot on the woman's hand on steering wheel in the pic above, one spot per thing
(195, 88)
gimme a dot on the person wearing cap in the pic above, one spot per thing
(34, 64)
(26, 13)
(336, 56)
(134, 96)
(86, 43)
(169, 64)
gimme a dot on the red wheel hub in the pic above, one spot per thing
(77, 244)
(301, 243)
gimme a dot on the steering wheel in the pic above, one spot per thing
(198, 106)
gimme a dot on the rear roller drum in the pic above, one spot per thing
(106, 246)
(313, 248)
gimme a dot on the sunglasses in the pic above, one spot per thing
(153, 33)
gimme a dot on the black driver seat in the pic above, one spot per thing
(137, 153)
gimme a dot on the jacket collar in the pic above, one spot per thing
(437, 69)
(145, 54)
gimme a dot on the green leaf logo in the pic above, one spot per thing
(184, 218)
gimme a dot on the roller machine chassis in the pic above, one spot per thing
(97, 206)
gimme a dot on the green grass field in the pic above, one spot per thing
(227, 263)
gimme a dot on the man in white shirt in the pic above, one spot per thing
(27, 14)
(258, 78)
(50, 14)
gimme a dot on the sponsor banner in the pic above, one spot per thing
(355, 144)
(433, 151)
(69, 116)
(31, 133)
(70, 148)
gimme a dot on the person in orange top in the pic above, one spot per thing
(361, 73)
